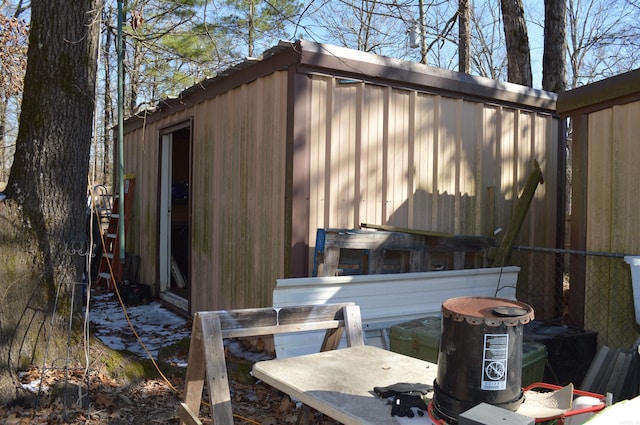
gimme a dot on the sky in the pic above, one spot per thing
(534, 15)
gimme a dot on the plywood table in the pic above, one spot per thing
(339, 383)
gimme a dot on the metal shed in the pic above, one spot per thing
(605, 211)
(236, 174)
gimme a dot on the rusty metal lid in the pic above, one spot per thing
(488, 311)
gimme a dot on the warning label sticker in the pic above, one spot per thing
(494, 359)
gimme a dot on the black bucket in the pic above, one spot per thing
(480, 355)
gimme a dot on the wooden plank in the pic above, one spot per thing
(353, 326)
(339, 383)
(331, 339)
(276, 317)
(417, 260)
(522, 206)
(356, 252)
(216, 367)
(270, 330)
(458, 260)
(195, 374)
(207, 354)
(330, 261)
(187, 416)
(405, 239)
(405, 230)
(177, 274)
(579, 218)
(376, 261)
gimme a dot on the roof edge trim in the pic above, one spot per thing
(623, 88)
(354, 62)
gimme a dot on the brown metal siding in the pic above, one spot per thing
(406, 158)
(613, 217)
(141, 153)
(381, 155)
(237, 194)
(136, 149)
(239, 174)
(412, 147)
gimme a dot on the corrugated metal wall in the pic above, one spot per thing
(613, 216)
(401, 157)
(237, 194)
(239, 164)
(270, 167)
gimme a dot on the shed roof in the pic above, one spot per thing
(312, 57)
(601, 94)
(369, 67)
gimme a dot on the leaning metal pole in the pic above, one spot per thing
(120, 137)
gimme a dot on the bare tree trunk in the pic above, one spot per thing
(43, 219)
(517, 40)
(464, 37)
(13, 59)
(48, 178)
(423, 38)
(135, 61)
(365, 18)
(250, 30)
(554, 63)
(134, 79)
(105, 151)
(3, 148)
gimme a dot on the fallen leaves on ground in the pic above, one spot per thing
(58, 400)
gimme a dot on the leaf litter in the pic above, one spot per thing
(78, 396)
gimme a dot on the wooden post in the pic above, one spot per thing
(522, 206)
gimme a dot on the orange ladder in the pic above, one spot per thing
(111, 268)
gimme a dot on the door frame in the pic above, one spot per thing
(164, 213)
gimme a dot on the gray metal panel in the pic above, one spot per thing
(487, 414)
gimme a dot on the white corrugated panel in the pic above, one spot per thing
(386, 299)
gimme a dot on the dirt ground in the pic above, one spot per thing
(150, 397)
(147, 401)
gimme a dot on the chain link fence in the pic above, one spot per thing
(599, 290)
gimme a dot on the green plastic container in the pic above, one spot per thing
(534, 359)
(420, 338)
(417, 338)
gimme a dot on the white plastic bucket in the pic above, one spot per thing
(582, 402)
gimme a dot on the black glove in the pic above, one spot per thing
(402, 404)
(403, 388)
(405, 396)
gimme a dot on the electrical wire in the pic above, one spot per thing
(130, 324)
(500, 288)
(47, 344)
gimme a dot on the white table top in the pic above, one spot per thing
(340, 383)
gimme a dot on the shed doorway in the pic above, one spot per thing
(175, 217)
